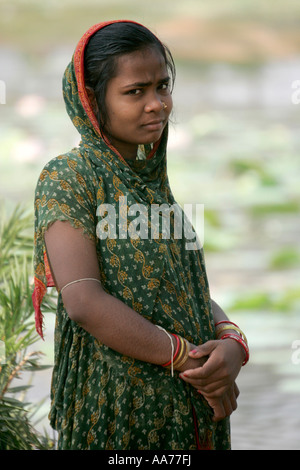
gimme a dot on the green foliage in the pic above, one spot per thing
(282, 302)
(287, 257)
(285, 207)
(17, 334)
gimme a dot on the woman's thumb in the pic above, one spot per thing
(202, 350)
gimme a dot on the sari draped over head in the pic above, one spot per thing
(101, 399)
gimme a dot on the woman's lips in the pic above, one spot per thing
(154, 125)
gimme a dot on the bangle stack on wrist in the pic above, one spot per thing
(183, 352)
(239, 336)
(179, 357)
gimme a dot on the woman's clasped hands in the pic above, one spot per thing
(215, 379)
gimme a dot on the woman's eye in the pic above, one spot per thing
(164, 86)
(136, 91)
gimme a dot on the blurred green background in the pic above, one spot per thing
(234, 147)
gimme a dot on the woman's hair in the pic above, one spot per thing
(103, 50)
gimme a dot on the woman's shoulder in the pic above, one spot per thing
(69, 162)
(67, 173)
(71, 167)
(66, 192)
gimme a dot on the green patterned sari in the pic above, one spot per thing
(101, 399)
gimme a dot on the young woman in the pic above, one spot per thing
(139, 360)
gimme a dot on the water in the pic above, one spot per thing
(268, 413)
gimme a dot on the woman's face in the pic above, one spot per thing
(136, 99)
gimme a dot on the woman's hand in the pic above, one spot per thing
(215, 380)
(225, 405)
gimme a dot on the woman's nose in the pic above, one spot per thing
(155, 103)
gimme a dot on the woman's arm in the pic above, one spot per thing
(218, 312)
(216, 379)
(72, 256)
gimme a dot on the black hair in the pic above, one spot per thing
(103, 50)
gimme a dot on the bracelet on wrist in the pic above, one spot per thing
(175, 354)
(185, 349)
(228, 325)
(234, 333)
(241, 342)
(180, 355)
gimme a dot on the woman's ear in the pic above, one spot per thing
(92, 100)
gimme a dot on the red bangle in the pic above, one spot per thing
(241, 342)
(176, 351)
(226, 321)
(177, 346)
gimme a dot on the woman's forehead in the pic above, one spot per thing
(142, 65)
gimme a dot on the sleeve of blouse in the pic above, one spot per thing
(65, 192)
